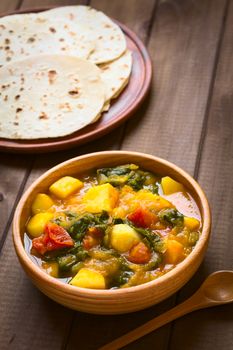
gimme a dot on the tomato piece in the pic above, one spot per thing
(92, 238)
(38, 244)
(58, 235)
(54, 237)
(142, 217)
(139, 254)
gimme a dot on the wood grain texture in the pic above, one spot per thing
(13, 175)
(210, 329)
(6, 5)
(41, 3)
(183, 45)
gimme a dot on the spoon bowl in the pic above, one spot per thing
(218, 287)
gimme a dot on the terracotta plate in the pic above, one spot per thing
(121, 109)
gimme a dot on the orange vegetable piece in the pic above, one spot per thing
(92, 238)
(139, 254)
(143, 218)
(174, 253)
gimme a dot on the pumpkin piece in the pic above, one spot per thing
(170, 186)
(191, 223)
(65, 186)
(152, 201)
(41, 203)
(123, 237)
(100, 198)
(87, 278)
(174, 253)
(37, 223)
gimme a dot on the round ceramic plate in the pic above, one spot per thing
(120, 110)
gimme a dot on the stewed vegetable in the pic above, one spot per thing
(115, 228)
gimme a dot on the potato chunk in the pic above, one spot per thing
(99, 198)
(65, 186)
(191, 223)
(171, 186)
(123, 237)
(87, 278)
(174, 253)
(41, 203)
(36, 224)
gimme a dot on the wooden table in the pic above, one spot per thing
(187, 119)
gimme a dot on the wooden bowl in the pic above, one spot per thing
(120, 300)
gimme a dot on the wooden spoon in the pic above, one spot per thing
(217, 289)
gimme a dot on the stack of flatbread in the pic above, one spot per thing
(59, 70)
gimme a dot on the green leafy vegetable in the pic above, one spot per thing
(80, 226)
(71, 215)
(154, 262)
(171, 216)
(136, 180)
(117, 221)
(127, 175)
(66, 221)
(66, 262)
(123, 277)
(150, 238)
(78, 250)
(154, 188)
(76, 267)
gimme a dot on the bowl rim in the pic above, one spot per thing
(74, 291)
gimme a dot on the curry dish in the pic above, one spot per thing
(113, 228)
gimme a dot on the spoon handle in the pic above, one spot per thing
(191, 304)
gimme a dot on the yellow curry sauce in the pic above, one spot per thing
(115, 228)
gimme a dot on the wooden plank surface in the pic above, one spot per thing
(183, 45)
(212, 329)
(40, 3)
(13, 175)
(6, 5)
(184, 39)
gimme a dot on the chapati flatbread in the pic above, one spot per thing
(49, 96)
(27, 35)
(115, 75)
(109, 39)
